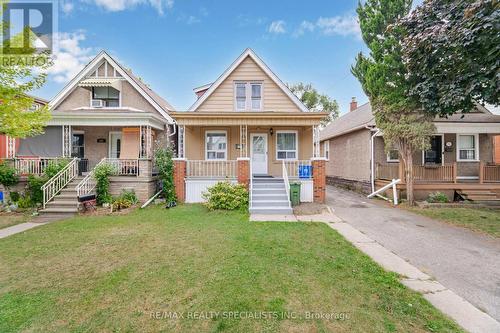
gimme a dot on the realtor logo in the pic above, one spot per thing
(27, 27)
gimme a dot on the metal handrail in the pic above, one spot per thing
(55, 184)
(87, 184)
(286, 181)
(251, 181)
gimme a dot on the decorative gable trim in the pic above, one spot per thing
(249, 53)
(93, 66)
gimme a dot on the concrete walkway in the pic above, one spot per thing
(465, 262)
(15, 229)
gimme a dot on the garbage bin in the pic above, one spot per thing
(295, 193)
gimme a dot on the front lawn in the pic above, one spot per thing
(10, 219)
(478, 219)
(170, 270)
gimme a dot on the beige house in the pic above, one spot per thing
(461, 161)
(247, 126)
(105, 114)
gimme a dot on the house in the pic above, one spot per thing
(8, 145)
(248, 127)
(104, 114)
(461, 161)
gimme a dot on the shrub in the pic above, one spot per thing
(25, 202)
(101, 175)
(165, 166)
(437, 197)
(54, 167)
(224, 195)
(121, 203)
(34, 190)
(130, 196)
(8, 176)
(14, 196)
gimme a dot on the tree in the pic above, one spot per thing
(382, 75)
(452, 53)
(19, 75)
(315, 101)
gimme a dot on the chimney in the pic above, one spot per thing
(354, 104)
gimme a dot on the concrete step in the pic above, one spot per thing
(270, 210)
(260, 197)
(267, 180)
(482, 198)
(60, 210)
(468, 192)
(269, 203)
(68, 190)
(62, 203)
(268, 191)
(67, 195)
(269, 185)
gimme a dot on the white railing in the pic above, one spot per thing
(382, 189)
(250, 187)
(286, 181)
(124, 167)
(33, 166)
(87, 184)
(215, 169)
(293, 167)
(59, 181)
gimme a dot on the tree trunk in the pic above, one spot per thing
(407, 155)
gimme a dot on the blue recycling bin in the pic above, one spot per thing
(1, 196)
(305, 171)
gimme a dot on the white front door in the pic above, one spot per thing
(115, 140)
(258, 153)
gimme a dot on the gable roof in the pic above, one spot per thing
(248, 53)
(160, 104)
(363, 117)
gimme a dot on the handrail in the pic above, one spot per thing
(286, 181)
(55, 184)
(87, 184)
(251, 180)
(382, 189)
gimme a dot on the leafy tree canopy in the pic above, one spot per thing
(452, 53)
(315, 101)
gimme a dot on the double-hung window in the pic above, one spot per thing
(110, 96)
(326, 147)
(216, 145)
(286, 146)
(248, 96)
(467, 147)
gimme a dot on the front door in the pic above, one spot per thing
(115, 144)
(435, 154)
(258, 153)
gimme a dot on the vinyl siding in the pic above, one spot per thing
(222, 99)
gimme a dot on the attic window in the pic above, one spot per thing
(109, 96)
(248, 96)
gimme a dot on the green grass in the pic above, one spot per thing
(112, 273)
(10, 219)
(477, 219)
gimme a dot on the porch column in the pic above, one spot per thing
(181, 153)
(11, 147)
(319, 179)
(66, 149)
(243, 171)
(243, 141)
(180, 178)
(145, 142)
(316, 143)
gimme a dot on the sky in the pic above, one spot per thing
(177, 45)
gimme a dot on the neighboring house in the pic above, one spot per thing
(8, 145)
(248, 123)
(461, 159)
(107, 114)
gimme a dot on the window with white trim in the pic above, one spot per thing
(248, 96)
(109, 96)
(393, 155)
(467, 147)
(216, 145)
(326, 149)
(286, 146)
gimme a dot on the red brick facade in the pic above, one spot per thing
(244, 171)
(319, 180)
(179, 179)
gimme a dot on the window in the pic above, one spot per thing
(286, 146)
(34, 107)
(109, 95)
(78, 145)
(326, 147)
(216, 145)
(248, 96)
(393, 155)
(467, 147)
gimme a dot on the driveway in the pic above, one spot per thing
(463, 261)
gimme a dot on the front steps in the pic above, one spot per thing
(269, 196)
(66, 202)
(481, 196)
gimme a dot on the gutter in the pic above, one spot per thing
(372, 152)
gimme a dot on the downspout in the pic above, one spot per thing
(372, 160)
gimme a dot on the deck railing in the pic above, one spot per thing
(421, 173)
(293, 167)
(59, 181)
(124, 167)
(217, 169)
(388, 171)
(489, 173)
(33, 166)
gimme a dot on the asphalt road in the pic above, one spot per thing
(464, 261)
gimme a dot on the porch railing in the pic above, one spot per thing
(217, 169)
(33, 166)
(293, 167)
(59, 181)
(421, 173)
(388, 171)
(286, 180)
(489, 173)
(88, 183)
(124, 167)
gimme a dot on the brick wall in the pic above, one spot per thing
(179, 179)
(144, 188)
(319, 180)
(244, 171)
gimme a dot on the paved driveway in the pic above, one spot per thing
(463, 261)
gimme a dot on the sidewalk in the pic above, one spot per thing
(15, 229)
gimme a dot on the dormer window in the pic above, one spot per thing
(109, 96)
(248, 96)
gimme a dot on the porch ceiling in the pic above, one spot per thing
(249, 118)
(103, 118)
